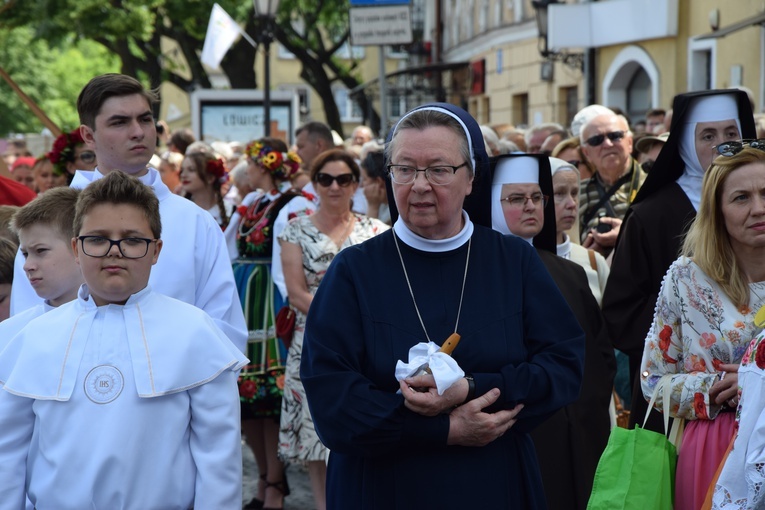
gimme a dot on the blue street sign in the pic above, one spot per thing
(369, 3)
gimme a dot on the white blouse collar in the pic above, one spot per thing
(88, 304)
(564, 248)
(434, 245)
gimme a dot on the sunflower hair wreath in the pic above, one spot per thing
(281, 165)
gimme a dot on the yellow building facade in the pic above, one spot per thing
(644, 53)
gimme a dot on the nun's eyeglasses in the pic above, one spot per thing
(732, 148)
(440, 175)
(518, 201)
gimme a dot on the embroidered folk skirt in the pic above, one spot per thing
(261, 383)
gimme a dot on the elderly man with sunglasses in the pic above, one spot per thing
(605, 197)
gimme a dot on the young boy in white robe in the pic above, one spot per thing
(44, 227)
(124, 398)
(117, 124)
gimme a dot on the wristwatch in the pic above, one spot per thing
(471, 388)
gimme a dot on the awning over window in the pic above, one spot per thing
(759, 19)
(432, 82)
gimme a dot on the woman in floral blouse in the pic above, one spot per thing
(308, 247)
(704, 318)
(250, 236)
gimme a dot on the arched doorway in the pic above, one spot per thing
(632, 83)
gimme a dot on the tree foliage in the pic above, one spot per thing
(52, 77)
(132, 30)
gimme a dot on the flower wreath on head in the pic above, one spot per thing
(217, 167)
(63, 150)
(281, 165)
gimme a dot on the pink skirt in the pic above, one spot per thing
(703, 448)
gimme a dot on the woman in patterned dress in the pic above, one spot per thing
(704, 318)
(308, 246)
(252, 229)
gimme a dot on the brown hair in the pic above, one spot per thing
(119, 188)
(199, 162)
(316, 130)
(101, 88)
(335, 155)
(7, 255)
(54, 208)
(6, 215)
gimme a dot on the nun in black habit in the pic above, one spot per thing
(570, 442)
(663, 210)
(521, 348)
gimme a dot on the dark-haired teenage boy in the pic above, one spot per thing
(118, 125)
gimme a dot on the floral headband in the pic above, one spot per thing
(281, 165)
(217, 168)
(63, 150)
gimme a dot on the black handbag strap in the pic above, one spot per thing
(605, 196)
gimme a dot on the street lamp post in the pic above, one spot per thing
(573, 60)
(265, 11)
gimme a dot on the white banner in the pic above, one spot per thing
(222, 31)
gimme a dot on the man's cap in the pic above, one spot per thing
(645, 143)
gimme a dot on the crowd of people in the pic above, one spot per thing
(157, 307)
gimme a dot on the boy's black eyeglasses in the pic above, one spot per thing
(596, 140)
(732, 148)
(129, 247)
(326, 180)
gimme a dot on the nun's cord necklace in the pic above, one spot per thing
(411, 292)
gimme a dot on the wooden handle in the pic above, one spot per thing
(450, 343)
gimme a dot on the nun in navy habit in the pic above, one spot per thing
(663, 210)
(416, 443)
(569, 444)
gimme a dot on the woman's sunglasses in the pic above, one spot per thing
(596, 140)
(326, 180)
(732, 148)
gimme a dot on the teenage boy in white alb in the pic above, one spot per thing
(118, 125)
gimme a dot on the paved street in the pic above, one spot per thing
(300, 497)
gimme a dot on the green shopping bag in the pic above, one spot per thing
(636, 471)
(637, 468)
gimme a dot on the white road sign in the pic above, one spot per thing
(372, 26)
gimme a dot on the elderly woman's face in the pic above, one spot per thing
(742, 203)
(431, 211)
(566, 198)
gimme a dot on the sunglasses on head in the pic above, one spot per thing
(596, 140)
(87, 157)
(326, 180)
(732, 148)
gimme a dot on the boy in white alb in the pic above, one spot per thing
(118, 125)
(44, 227)
(124, 399)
